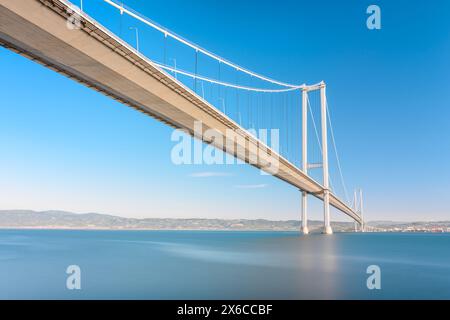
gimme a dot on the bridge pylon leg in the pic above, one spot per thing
(305, 229)
(326, 213)
(326, 194)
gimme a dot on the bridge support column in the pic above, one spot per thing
(326, 194)
(305, 229)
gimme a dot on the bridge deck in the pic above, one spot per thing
(95, 57)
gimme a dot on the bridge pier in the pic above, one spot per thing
(326, 193)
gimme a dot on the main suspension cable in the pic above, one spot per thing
(124, 9)
(337, 155)
(221, 83)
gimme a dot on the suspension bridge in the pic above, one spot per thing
(179, 83)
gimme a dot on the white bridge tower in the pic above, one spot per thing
(326, 194)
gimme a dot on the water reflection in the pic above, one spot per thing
(225, 265)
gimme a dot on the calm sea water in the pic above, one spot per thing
(222, 265)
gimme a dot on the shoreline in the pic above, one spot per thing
(209, 230)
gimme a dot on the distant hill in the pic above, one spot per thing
(69, 220)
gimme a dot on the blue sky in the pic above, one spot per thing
(67, 147)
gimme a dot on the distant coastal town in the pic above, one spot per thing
(435, 227)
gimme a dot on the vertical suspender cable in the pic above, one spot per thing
(165, 49)
(196, 65)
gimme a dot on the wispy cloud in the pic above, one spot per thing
(206, 174)
(251, 186)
